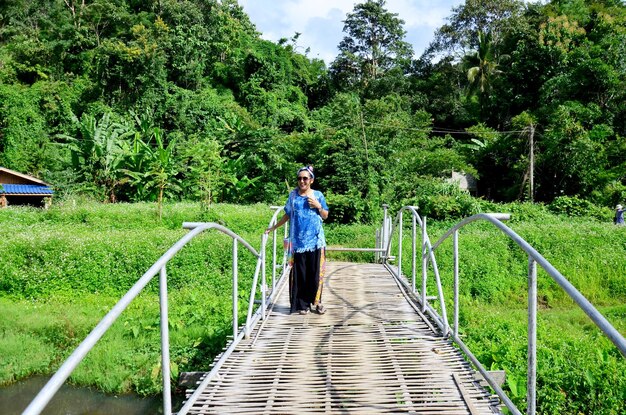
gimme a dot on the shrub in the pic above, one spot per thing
(524, 212)
(346, 209)
(574, 206)
(439, 199)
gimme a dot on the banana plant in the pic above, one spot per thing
(158, 167)
(97, 151)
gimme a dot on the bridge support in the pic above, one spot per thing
(531, 395)
(165, 343)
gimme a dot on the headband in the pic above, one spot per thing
(309, 169)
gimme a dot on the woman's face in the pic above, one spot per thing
(304, 181)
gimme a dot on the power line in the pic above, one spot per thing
(443, 130)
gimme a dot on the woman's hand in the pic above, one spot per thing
(313, 203)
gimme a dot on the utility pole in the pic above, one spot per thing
(531, 140)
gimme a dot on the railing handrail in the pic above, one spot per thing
(251, 319)
(203, 226)
(273, 220)
(601, 322)
(44, 396)
(426, 249)
(534, 258)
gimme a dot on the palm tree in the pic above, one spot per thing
(483, 67)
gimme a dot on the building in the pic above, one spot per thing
(21, 189)
(465, 181)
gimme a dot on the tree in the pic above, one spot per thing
(204, 176)
(161, 167)
(373, 46)
(573, 158)
(473, 17)
(24, 133)
(526, 123)
(437, 88)
(483, 66)
(97, 151)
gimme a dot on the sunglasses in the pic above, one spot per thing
(304, 178)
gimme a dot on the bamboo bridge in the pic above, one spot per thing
(372, 352)
(383, 346)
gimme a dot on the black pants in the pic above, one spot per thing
(306, 279)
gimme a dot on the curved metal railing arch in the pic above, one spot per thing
(534, 258)
(251, 320)
(383, 251)
(40, 401)
(426, 248)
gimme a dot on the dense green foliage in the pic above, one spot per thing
(183, 100)
(170, 100)
(579, 370)
(65, 267)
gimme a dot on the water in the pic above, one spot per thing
(71, 400)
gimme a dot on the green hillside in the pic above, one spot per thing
(183, 100)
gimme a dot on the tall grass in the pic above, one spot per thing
(63, 269)
(580, 371)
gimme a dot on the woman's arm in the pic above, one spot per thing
(278, 224)
(322, 208)
(323, 212)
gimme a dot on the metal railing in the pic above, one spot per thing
(428, 256)
(39, 403)
(382, 250)
(252, 319)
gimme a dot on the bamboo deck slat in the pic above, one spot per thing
(371, 353)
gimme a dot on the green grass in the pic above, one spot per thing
(63, 269)
(579, 369)
(590, 254)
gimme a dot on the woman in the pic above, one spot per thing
(306, 209)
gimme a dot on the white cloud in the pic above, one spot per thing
(422, 12)
(320, 22)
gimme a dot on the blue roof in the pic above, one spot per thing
(28, 189)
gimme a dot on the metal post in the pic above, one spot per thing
(165, 343)
(442, 303)
(424, 264)
(414, 252)
(274, 262)
(455, 244)
(235, 290)
(285, 234)
(255, 280)
(378, 245)
(385, 233)
(263, 278)
(400, 245)
(531, 397)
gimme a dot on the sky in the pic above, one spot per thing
(320, 22)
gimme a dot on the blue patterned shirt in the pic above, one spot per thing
(305, 229)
